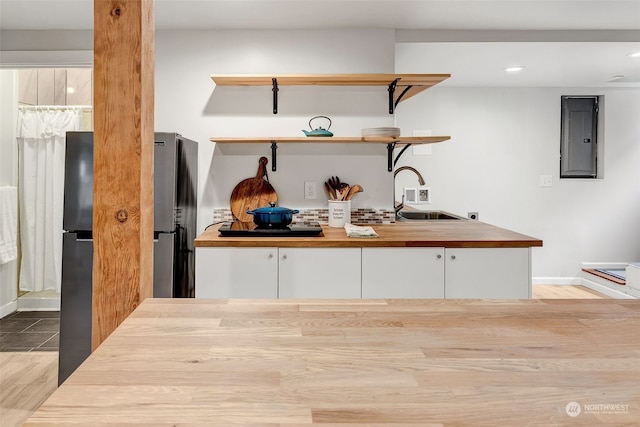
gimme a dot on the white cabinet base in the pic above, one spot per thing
(402, 272)
(319, 273)
(256, 272)
(236, 272)
(501, 273)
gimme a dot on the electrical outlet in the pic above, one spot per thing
(417, 196)
(546, 181)
(310, 190)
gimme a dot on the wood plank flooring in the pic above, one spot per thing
(26, 380)
(361, 363)
(565, 292)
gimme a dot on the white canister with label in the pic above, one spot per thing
(339, 212)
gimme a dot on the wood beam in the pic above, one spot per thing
(123, 161)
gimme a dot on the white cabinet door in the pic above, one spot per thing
(319, 272)
(236, 272)
(487, 273)
(402, 272)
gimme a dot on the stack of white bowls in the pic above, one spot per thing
(381, 132)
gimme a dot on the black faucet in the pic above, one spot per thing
(400, 169)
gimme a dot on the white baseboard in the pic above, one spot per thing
(39, 301)
(613, 293)
(8, 308)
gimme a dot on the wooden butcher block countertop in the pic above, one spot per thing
(356, 363)
(449, 234)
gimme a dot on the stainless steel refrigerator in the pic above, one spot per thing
(175, 190)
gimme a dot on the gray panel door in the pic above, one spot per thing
(578, 149)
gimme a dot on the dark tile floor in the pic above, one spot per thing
(30, 331)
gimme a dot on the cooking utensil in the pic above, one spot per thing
(353, 191)
(334, 181)
(343, 191)
(330, 191)
(252, 193)
(273, 216)
(319, 131)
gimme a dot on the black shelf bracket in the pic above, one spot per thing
(400, 154)
(392, 90)
(274, 83)
(390, 147)
(404, 92)
(274, 147)
(393, 104)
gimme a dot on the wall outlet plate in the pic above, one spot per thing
(310, 190)
(417, 195)
(546, 181)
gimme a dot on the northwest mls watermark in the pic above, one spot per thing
(573, 409)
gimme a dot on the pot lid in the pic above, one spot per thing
(272, 209)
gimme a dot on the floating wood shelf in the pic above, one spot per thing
(391, 143)
(333, 139)
(400, 86)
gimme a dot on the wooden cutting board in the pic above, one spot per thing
(252, 193)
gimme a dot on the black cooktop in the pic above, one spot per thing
(298, 229)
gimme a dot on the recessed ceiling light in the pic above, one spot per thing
(514, 69)
(634, 55)
(70, 90)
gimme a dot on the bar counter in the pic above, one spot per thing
(360, 363)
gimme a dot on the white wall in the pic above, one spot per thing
(8, 176)
(502, 140)
(188, 102)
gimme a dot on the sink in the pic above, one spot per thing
(426, 216)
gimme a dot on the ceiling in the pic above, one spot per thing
(581, 42)
(305, 14)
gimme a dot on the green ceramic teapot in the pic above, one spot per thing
(319, 131)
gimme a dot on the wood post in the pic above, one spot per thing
(123, 161)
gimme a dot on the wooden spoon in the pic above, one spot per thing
(330, 191)
(353, 191)
(335, 182)
(344, 190)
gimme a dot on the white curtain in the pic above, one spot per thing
(41, 144)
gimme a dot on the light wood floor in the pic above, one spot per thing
(27, 379)
(565, 292)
